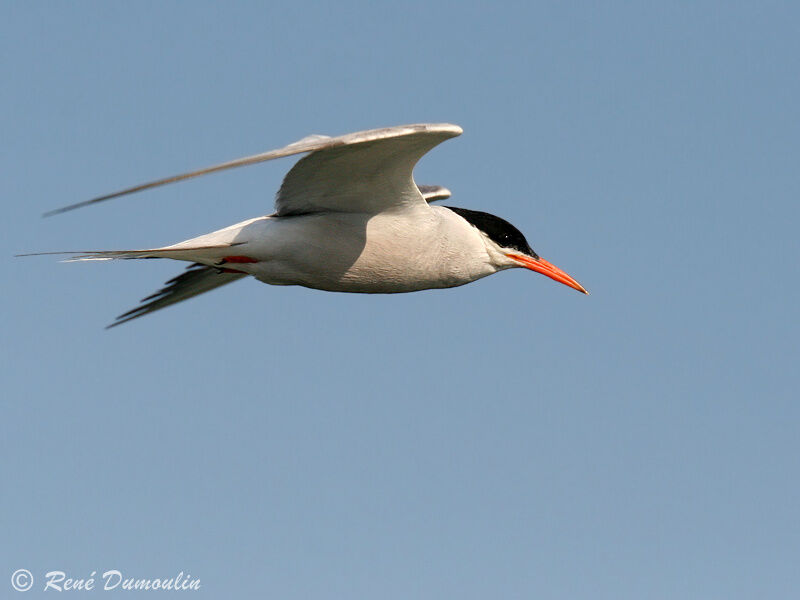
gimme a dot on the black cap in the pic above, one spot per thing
(500, 231)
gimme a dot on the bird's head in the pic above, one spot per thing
(508, 248)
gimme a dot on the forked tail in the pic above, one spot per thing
(197, 279)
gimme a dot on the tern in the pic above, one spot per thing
(348, 217)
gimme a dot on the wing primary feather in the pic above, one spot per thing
(248, 160)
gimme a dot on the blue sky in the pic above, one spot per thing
(510, 438)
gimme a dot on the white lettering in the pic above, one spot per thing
(108, 576)
(53, 579)
(113, 579)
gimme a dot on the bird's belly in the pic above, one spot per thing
(372, 258)
(380, 278)
(366, 275)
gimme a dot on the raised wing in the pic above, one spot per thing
(365, 172)
(397, 156)
(432, 193)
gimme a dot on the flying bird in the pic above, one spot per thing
(348, 217)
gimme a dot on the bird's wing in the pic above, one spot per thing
(364, 172)
(197, 279)
(432, 193)
(397, 149)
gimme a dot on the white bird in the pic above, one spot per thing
(348, 218)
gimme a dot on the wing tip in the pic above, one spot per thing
(432, 193)
(63, 209)
(448, 128)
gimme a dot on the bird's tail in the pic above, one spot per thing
(177, 252)
(197, 279)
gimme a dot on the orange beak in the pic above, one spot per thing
(545, 268)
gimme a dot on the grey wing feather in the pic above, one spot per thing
(369, 173)
(311, 143)
(197, 279)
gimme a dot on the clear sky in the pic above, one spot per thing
(507, 439)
